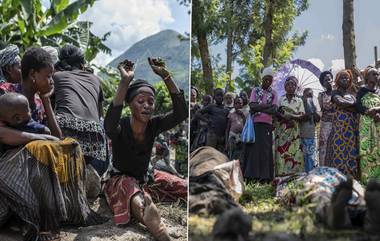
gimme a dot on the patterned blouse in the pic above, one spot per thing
(326, 107)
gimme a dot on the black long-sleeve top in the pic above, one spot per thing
(130, 157)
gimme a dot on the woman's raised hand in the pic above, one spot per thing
(126, 70)
(158, 67)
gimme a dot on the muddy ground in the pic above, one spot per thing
(173, 214)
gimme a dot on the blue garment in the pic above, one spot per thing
(33, 127)
(308, 148)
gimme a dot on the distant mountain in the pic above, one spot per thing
(169, 45)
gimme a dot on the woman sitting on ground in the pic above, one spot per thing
(78, 106)
(41, 183)
(132, 142)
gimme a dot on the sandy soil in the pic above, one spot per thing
(173, 214)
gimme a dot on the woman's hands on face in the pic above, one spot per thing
(47, 94)
(126, 70)
(158, 67)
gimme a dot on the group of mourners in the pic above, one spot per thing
(53, 137)
(284, 150)
(286, 127)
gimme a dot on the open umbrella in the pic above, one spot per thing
(305, 71)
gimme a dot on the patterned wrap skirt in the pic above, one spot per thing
(43, 184)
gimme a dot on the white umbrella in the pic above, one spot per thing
(305, 71)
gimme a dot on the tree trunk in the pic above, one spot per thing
(230, 36)
(206, 62)
(268, 29)
(201, 36)
(349, 34)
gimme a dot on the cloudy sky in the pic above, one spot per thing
(132, 20)
(323, 20)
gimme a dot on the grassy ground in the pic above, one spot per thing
(272, 221)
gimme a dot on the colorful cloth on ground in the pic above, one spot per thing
(90, 135)
(369, 140)
(315, 187)
(342, 148)
(260, 96)
(120, 189)
(324, 133)
(288, 154)
(42, 183)
(308, 149)
(167, 187)
(38, 112)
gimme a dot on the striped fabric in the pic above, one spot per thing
(31, 188)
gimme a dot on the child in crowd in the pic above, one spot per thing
(216, 117)
(229, 100)
(307, 129)
(234, 128)
(15, 113)
(206, 100)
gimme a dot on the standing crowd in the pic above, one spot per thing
(342, 123)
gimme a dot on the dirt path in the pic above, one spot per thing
(174, 216)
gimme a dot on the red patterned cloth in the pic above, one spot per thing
(167, 187)
(119, 191)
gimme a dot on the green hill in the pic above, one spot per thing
(169, 45)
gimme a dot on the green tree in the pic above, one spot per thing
(204, 21)
(272, 42)
(27, 22)
(234, 27)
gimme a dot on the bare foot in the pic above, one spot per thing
(372, 198)
(338, 217)
(49, 236)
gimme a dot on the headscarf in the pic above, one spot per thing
(268, 71)
(291, 78)
(195, 88)
(340, 73)
(133, 89)
(70, 58)
(8, 56)
(53, 53)
(323, 75)
(366, 71)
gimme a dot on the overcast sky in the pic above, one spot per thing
(132, 20)
(323, 19)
